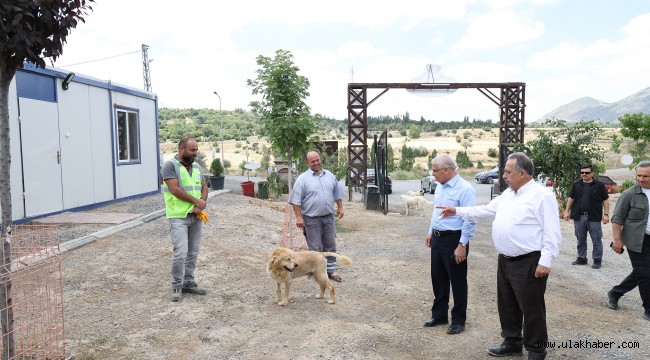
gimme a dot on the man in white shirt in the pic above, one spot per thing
(526, 234)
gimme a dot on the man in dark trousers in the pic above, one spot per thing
(448, 239)
(631, 229)
(585, 206)
(526, 234)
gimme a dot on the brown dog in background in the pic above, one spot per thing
(285, 264)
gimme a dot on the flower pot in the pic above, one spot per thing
(248, 188)
(217, 182)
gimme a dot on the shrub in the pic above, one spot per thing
(216, 168)
(627, 184)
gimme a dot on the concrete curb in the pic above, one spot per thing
(79, 242)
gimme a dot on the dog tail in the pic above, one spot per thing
(344, 259)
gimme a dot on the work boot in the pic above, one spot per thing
(193, 288)
(580, 261)
(177, 294)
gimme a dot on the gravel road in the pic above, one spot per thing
(116, 294)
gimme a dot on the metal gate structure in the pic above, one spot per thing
(511, 101)
(381, 169)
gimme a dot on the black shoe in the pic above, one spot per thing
(455, 329)
(580, 261)
(596, 264)
(612, 301)
(506, 349)
(433, 322)
(646, 315)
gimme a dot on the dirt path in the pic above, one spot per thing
(117, 296)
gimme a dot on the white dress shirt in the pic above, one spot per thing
(525, 221)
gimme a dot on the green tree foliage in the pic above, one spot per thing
(559, 153)
(266, 157)
(616, 143)
(200, 159)
(463, 161)
(391, 159)
(414, 132)
(637, 127)
(492, 152)
(284, 113)
(434, 153)
(29, 31)
(408, 158)
(479, 165)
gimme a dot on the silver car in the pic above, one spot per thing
(487, 177)
(429, 182)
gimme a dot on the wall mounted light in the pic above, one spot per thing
(67, 81)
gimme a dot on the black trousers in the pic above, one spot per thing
(520, 298)
(445, 271)
(640, 275)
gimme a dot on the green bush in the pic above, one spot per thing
(627, 184)
(216, 168)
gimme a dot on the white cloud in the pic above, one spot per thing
(498, 29)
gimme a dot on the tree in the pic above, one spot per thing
(29, 31)
(637, 127)
(407, 160)
(463, 161)
(414, 131)
(559, 153)
(284, 113)
(391, 158)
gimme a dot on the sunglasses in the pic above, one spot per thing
(585, 172)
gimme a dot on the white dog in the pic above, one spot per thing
(415, 193)
(415, 201)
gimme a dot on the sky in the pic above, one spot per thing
(562, 49)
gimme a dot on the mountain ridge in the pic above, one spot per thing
(588, 108)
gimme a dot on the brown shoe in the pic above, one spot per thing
(335, 277)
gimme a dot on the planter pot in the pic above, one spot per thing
(217, 182)
(248, 188)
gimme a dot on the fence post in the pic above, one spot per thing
(7, 312)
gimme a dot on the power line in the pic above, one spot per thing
(110, 57)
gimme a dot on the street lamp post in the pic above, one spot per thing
(221, 130)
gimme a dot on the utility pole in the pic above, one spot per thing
(145, 67)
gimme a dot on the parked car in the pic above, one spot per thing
(429, 182)
(388, 183)
(488, 177)
(611, 186)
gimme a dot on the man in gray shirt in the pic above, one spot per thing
(312, 198)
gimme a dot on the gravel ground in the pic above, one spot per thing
(116, 294)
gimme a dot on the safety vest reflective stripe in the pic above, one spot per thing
(185, 188)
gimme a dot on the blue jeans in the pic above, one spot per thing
(186, 239)
(582, 226)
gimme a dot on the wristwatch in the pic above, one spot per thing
(463, 245)
(605, 214)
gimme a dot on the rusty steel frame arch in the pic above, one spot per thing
(511, 101)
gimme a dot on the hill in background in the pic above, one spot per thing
(588, 108)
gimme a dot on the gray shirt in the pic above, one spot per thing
(168, 172)
(315, 194)
(632, 210)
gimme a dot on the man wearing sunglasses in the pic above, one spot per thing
(585, 206)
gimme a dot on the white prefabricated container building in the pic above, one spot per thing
(79, 142)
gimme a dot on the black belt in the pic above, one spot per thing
(524, 256)
(439, 233)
